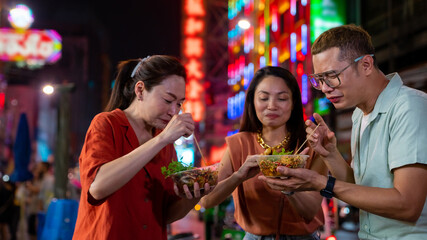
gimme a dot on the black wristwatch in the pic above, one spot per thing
(328, 191)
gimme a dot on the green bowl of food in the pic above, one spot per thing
(268, 163)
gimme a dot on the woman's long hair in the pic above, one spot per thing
(295, 125)
(151, 70)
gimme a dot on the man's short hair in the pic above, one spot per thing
(353, 41)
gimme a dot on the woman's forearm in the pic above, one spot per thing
(223, 189)
(115, 174)
(179, 209)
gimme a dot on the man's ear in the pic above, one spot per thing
(139, 89)
(368, 64)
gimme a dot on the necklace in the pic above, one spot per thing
(264, 145)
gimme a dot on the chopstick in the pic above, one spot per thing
(200, 151)
(197, 144)
(306, 140)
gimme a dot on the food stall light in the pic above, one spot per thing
(6, 178)
(21, 17)
(244, 24)
(48, 89)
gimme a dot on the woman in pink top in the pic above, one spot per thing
(272, 119)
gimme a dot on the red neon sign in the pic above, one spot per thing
(193, 49)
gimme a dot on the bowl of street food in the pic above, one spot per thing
(268, 163)
(201, 175)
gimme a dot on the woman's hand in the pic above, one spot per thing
(197, 193)
(180, 125)
(249, 169)
(323, 141)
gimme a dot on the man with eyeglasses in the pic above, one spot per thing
(387, 178)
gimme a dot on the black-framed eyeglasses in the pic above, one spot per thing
(330, 77)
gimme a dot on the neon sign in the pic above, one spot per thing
(279, 36)
(326, 14)
(40, 45)
(193, 51)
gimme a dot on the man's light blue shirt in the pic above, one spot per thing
(395, 136)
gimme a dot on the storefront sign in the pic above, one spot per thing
(193, 52)
(39, 45)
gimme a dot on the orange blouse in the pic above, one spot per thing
(259, 209)
(136, 210)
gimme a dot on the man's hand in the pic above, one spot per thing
(295, 180)
(323, 141)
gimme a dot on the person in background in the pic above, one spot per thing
(124, 194)
(32, 200)
(387, 178)
(7, 210)
(273, 120)
(47, 186)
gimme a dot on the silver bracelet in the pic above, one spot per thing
(288, 193)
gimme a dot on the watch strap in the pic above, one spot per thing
(328, 191)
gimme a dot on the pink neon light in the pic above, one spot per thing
(274, 18)
(293, 7)
(262, 29)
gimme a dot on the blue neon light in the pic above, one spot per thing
(235, 105)
(293, 47)
(304, 39)
(304, 90)
(274, 57)
(262, 62)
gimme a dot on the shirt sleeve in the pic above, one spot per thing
(408, 132)
(99, 148)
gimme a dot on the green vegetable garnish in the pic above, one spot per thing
(283, 152)
(174, 167)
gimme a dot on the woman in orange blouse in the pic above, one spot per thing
(124, 195)
(272, 119)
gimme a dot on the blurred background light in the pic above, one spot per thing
(48, 89)
(244, 24)
(21, 17)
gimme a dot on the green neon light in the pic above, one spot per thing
(326, 14)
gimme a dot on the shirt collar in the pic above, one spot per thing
(385, 99)
(122, 119)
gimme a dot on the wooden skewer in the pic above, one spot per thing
(200, 151)
(306, 140)
(197, 144)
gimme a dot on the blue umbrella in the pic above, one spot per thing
(22, 151)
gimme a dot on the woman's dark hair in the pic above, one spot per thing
(295, 125)
(151, 70)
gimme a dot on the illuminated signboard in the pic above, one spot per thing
(193, 47)
(326, 14)
(278, 35)
(39, 45)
